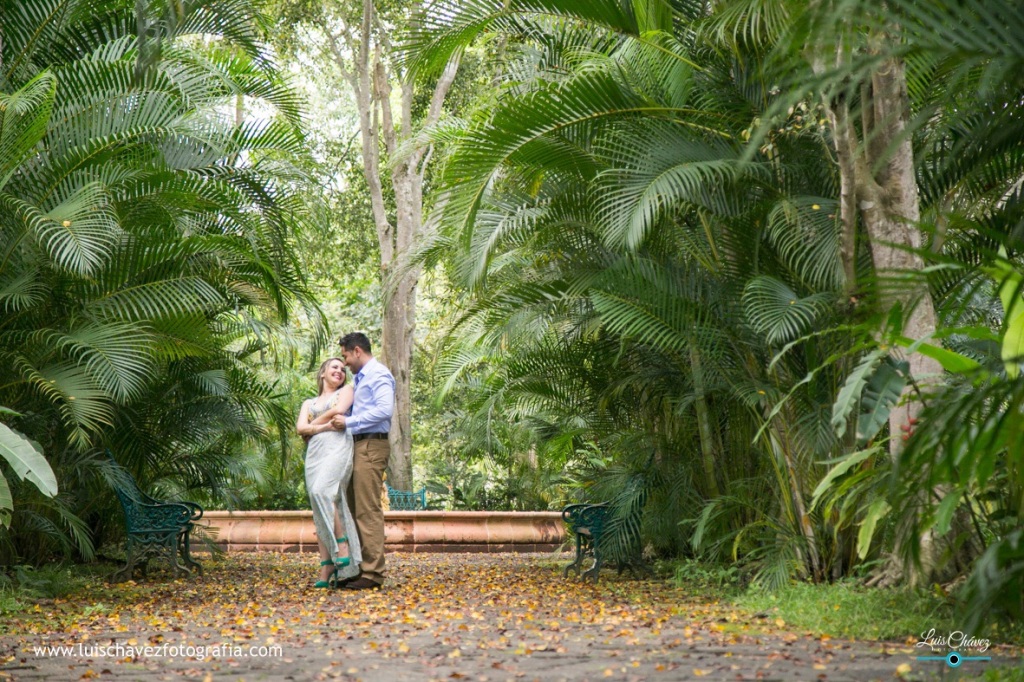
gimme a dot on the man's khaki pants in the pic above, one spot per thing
(370, 461)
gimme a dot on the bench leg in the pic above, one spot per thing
(592, 572)
(133, 552)
(578, 562)
(125, 572)
(170, 552)
(186, 556)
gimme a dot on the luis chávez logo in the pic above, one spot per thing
(961, 648)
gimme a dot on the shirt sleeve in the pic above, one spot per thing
(380, 407)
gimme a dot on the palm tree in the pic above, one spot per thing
(962, 61)
(604, 208)
(606, 201)
(146, 239)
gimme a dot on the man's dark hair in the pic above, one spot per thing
(355, 340)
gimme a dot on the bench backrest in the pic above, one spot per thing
(589, 518)
(145, 513)
(406, 500)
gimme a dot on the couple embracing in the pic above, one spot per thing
(347, 432)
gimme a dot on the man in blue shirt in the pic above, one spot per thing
(369, 422)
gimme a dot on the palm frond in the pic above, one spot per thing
(445, 27)
(780, 313)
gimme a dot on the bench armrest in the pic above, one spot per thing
(593, 517)
(578, 515)
(571, 513)
(195, 509)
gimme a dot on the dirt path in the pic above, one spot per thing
(440, 617)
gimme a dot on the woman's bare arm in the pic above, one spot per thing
(306, 428)
(341, 406)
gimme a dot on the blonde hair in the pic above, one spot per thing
(323, 370)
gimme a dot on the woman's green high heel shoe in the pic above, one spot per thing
(325, 583)
(341, 562)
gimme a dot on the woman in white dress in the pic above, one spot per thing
(328, 470)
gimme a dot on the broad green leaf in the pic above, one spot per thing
(977, 332)
(1010, 283)
(877, 510)
(945, 511)
(6, 503)
(27, 462)
(850, 393)
(1012, 348)
(880, 395)
(847, 463)
(951, 361)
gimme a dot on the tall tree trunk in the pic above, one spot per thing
(895, 238)
(360, 53)
(397, 347)
(877, 162)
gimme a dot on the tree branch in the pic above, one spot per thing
(420, 158)
(341, 63)
(382, 86)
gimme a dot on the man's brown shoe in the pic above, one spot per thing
(362, 584)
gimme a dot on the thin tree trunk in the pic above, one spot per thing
(784, 451)
(708, 441)
(397, 347)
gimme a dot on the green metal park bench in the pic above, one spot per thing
(406, 500)
(588, 525)
(155, 528)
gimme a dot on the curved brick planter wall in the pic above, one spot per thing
(423, 531)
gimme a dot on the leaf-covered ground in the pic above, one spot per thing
(440, 617)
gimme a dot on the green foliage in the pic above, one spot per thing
(637, 280)
(600, 219)
(711, 580)
(148, 250)
(849, 610)
(881, 394)
(48, 582)
(28, 463)
(873, 388)
(778, 313)
(1010, 282)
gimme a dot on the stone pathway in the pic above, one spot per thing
(440, 617)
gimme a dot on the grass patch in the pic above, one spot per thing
(23, 587)
(852, 611)
(714, 582)
(1004, 674)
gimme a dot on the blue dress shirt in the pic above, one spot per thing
(373, 402)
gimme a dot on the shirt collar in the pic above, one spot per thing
(362, 372)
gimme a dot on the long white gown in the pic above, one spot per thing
(328, 470)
